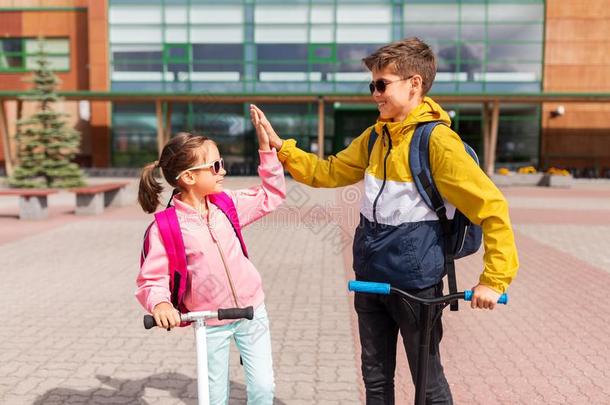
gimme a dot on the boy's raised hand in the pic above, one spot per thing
(261, 132)
(274, 140)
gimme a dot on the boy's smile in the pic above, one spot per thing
(400, 96)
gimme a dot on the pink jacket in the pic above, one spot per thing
(220, 276)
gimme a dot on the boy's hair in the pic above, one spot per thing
(407, 57)
(180, 153)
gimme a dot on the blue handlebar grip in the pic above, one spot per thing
(502, 300)
(368, 287)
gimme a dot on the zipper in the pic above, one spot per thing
(385, 160)
(224, 263)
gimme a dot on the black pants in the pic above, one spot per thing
(380, 317)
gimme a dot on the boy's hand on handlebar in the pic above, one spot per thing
(274, 140)
(166, 315)
(261, 132)
(484, 297)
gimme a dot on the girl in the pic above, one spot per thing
(219, 274)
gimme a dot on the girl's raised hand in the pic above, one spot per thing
(274, 139)
(261, 132)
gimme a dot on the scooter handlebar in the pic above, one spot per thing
(369, 287)
(228, 313)
(236, 313)
(502, 300)
(386, 289)
(149, 322)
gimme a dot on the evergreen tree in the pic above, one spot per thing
(46, 145)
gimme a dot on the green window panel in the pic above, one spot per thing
(21, 54)
(314, 46)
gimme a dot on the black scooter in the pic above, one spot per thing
(426, 320)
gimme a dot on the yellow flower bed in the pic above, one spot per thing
(527, 170)
(557, 172)
(503, 171)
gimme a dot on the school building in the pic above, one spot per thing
(526, 82)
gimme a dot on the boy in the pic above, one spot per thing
(397, 240)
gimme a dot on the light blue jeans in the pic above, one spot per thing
(253, 341)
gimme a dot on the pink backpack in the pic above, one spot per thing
(169, 229)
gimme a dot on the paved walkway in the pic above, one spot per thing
(73, 334)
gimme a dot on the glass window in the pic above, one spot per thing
(516, 12)
(431, 32)
(51, 46)
(136, 34)
(281, 14)
(507, 51)
(134, 135)
(295, 52)
(473, 32)
(322, 14)
(18, 54)
(214, 14)
(367, 14)
(176, 34)
(227, 125)
(211, 34)
(355, 52)
(473, 12)
(137, 58)
(518, 135)
(420, 13)
(280, 34)
(217, 51)
(218, 58)
(322, 33)
(11, 54)
(515, 32)
(176, 14)
(119, 14)
(355, 34)
(514, 72)
(55, 62)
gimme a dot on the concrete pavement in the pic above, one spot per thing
(72, 331)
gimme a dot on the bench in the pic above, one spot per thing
(91, 200)
(32, 201)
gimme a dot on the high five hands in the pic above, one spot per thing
(261, 133)
(263, 128)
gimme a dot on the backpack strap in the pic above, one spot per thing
(145, 244)
(372, 140)
(169, 229)
(225, 203)
(419, 163)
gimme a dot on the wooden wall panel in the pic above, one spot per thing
(42, 3)
(557, 9)
(49, 24)
(577, 59)
(99, 80)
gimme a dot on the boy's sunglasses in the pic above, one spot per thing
(380, 85)
(216, 166)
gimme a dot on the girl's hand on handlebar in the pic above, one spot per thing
(484, 297)
(166, 315)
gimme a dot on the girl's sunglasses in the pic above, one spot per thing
(380, 85)
(216, 166)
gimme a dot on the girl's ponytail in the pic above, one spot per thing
(149, 189)
(181, 152)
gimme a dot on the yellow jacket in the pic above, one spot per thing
(458, 178)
